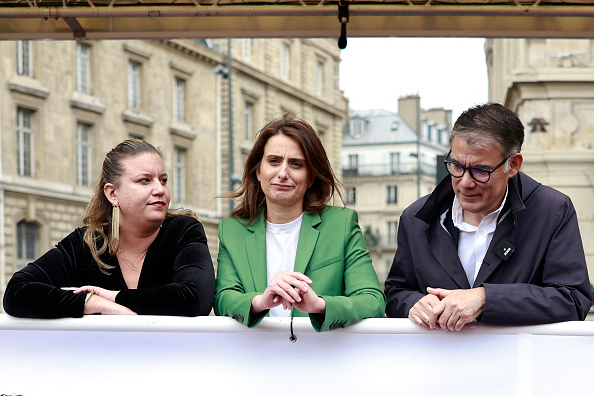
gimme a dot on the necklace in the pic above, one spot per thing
(140, 260)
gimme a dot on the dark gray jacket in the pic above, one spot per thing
(534, 271)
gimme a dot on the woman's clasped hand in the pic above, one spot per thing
(291, 289)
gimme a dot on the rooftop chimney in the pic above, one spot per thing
(409, 108)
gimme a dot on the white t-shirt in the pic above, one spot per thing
(474, 241)
(281, 249)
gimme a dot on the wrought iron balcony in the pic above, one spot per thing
(385, 169)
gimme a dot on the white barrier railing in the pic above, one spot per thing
(156, 355)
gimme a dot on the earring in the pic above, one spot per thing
(115, 222)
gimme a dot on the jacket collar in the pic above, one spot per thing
(442, 197)
(443, 242)
(255, 245)
(438, 202)
(516, 199)
(505, 233)
(257, 223)
(312, 219)
(308, 237)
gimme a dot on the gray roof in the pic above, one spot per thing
(381, 127)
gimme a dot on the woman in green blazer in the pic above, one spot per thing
(284, 251)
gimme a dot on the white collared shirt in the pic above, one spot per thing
(281, 249)
(474, 241)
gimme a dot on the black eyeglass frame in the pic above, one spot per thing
(470, 168)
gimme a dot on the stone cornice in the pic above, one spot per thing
(256, 74)
(137, 118)
(87, 103)
(205, 54)
(31, 88)
(183, 132)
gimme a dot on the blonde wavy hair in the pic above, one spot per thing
(97, 217)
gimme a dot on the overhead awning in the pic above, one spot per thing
(105, 19)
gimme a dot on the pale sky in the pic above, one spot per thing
(445, 72)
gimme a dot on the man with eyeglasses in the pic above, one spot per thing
(489, 244)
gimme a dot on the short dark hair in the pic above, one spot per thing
(491, 122)
(325, 183)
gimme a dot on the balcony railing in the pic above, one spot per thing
(388, 169)
(379, 240)
(149, 355)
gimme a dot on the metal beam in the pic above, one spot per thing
(77, 29)
(366, 20)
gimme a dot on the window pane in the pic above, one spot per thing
(24, 142)
(179, 177)
(285, 60)
(392, 232)
(351, 196)
(24, 58)
(357, 127)
(247, 120)
(319, 78)
(133, 85)
(353, 161)
(27, 237)
(247, 48)
(392, 192)
(394, 162)
(83, 68)
(83, 154)
(179, 94)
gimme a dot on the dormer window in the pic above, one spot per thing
(357, 127)
(443, 136)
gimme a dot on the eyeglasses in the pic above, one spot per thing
(478, 174)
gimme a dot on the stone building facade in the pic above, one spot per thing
(275, 76)
(550, 84)
(64, 104)
(389, 160)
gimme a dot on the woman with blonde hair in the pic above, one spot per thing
(133, 255)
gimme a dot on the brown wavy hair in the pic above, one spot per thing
(97, 217)
(325, 185)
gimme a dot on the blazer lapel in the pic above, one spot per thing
(308, 237)
(255, 246)
(442, 243)
(445, 251)
(505, 234)
(504, 231)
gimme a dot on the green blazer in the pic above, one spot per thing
(331, 251)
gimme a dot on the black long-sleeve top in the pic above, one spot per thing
(177, 277)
